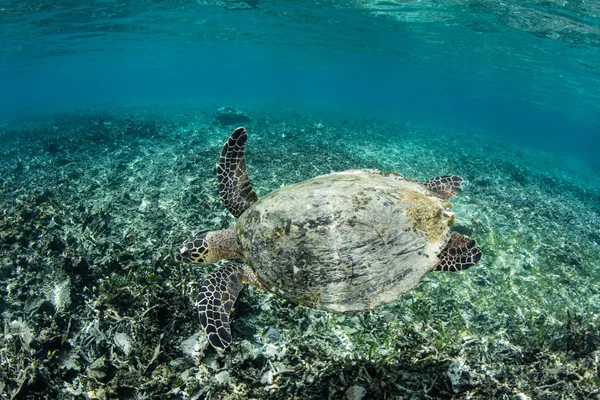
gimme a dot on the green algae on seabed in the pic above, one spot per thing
(93, 305)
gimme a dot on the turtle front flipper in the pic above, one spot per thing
(460, 253)
(234, 187)
(444, 186)
(217, 295)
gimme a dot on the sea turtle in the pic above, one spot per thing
(345, 241)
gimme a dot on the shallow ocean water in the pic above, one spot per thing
(109, 141)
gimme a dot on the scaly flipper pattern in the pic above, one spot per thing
(215, 301)
(234, 187)
(444, 186)
(460, 253)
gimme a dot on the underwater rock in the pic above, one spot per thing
(355, 392)
(274, 352)
(143, 206)
(227, 116)
(123, 342)
(194, 346)
(222, 377)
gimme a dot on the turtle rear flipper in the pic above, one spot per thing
(460, 253)
(234, 187)
(217, 295)
(444, 186)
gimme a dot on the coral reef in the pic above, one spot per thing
(93, 305)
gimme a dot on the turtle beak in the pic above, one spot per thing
(450, 215)
(183, 254)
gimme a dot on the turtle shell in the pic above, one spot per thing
(346, 241)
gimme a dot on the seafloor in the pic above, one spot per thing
(94, 306)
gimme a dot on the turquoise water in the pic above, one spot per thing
(110, 130)
(523, 71)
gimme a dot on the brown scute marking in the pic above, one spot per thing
(351, 221)
(425, 214)
(234, 186)
(320, 221)
(215, 301)
(360, 201)
(444, 186)
(459, 254)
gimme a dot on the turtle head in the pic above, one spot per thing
(196, 250)
(208, 247)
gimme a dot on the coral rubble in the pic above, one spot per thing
(94, 306)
